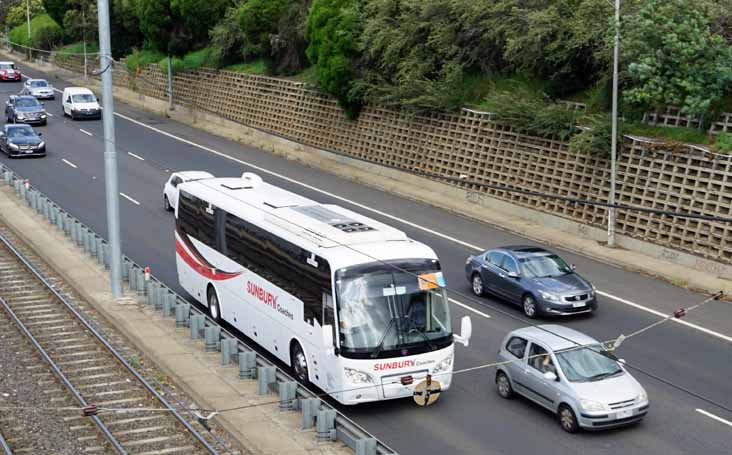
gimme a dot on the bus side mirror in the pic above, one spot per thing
(466, 331)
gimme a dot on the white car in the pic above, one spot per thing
(80, 102)
(40, 88)
(170, 191)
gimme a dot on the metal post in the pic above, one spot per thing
(170, 84)
(83, 32)
(110, 153)
(27, 16)
(614, 140)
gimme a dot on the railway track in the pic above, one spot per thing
(133, 417)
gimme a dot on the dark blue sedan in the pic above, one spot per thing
(535, 278)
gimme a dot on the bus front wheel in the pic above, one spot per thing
(213, 304)
(299, 364)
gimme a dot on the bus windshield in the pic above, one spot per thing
(393, 305)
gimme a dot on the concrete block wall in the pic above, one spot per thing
(470, 144)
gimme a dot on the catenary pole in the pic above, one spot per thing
(27, 17)
(110, 153)
(170, 83)
(614, 140)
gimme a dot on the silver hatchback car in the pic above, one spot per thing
(584, 385)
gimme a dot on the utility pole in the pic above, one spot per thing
(27, 17)
(110, 153)
(83, 37)
(170, 84)
(614, 141)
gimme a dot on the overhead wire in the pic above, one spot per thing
(507, 313)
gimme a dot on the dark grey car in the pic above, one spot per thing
(537, 279)
(20, 141)
(25, 109)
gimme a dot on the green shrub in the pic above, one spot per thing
(45, 33)
(191, 61)
(142, 58)
(724, 142)
(532, 114)
(596, 139)
(254, 67)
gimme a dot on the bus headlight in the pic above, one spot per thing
(358, 377)
(443, 365)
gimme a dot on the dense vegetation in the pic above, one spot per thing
(516, 58)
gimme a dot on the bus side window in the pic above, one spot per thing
(312, 309)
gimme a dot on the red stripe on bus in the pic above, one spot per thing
(208, 272)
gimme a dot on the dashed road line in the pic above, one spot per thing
(85, 132)
(129, 198)
(69, 163)
(469, 308)
(136, 156)
(714, 417)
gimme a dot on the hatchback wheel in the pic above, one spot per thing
(529, 304)
(503, 385)
(568, 419)
(478, 285)
(166, 204)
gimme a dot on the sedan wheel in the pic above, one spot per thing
(166, 204)
(504, 385)
(567, 419)
(478, 285)
(529, 304)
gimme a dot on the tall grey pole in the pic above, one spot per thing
(110, 154)
(83, 32)
(27, 17)
(614, 139)
(170, 83)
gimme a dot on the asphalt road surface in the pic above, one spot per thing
(470, 418)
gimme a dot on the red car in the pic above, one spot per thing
(8, 72)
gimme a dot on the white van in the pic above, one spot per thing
(80, 102)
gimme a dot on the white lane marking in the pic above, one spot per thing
(469, 308)
(69, 163)
(712, 416)
(129, 198)
(86, 132)
(304, 185)
(136, 156)
(658, 313)
(400, 220)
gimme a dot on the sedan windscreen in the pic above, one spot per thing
(545, 266)
(27, 102)
(20, 132)
(37, 84)
(587, 364)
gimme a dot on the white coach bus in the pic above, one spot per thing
(350, 304)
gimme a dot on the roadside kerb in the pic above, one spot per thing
(328, 423)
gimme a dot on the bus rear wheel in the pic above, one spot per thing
(213, 304)
(299, 364)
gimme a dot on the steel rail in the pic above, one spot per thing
(21, 257)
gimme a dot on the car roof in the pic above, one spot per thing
(25, 97)
(554, 337)
(523, 250)
(73, 90)
(7, 61)
(11, 126)
(38, 79)
(194, 175)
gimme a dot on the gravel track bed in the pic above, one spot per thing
(84, 360)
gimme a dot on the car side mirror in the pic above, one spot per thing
(466, 331)
(621, 361)
(43, 104)
(550, 376)
(514, 274)
(573, 267)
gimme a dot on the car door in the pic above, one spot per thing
(9, 109)
(512, 286)
(489, 271)
(539, 389)
(174, 182)
(516, 351)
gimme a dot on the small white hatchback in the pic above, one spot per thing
(170, 190)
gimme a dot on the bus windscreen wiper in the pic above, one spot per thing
(424, 335)
(379, 347)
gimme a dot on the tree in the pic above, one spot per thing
(258, 20)
(288, 44)
(199, 16)
(674, 58)
(124, 27)
(17, 14)
(227, 39)
(56, 9)
(333, 28)
(80, 20)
